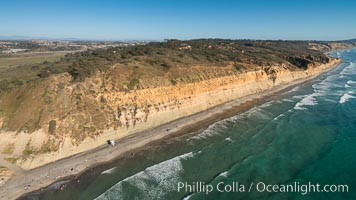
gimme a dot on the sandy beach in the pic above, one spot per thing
(63, 169)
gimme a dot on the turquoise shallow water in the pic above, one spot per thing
(307, 134)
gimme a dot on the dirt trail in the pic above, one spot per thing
(14, 168)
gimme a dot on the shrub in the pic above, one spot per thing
(133, 83)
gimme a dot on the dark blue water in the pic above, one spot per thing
(307, 134)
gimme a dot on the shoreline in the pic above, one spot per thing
(77, 164)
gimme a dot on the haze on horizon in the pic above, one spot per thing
(184, 19)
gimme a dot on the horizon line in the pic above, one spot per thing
(25, 38)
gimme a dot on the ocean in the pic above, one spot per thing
(302, 137)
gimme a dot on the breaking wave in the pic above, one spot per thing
(350, 69)
(109, 171)
(221, 126)
(349, 82)
(326, 87)
(187, 197)
(153, 182)
(308, 100)
(223, 174)
(279, 116)
(229, 139)
(345, 97)
(213, 129)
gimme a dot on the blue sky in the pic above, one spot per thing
(181, 19)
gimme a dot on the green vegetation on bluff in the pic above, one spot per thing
(16, 69)
(215, 52)
(81, 94)
(161, 56)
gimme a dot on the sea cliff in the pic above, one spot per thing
(69, 119)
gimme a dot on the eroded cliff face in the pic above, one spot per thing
(330, 46)
(47, 120)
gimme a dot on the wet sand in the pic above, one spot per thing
(70, 167)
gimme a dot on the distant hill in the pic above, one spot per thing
(14, 37)
(349, 41)
(21, 37)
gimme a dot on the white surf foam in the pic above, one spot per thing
(217, 127)
(210, 131)
(350, 69)
(345, 97)
(187, 197)
(229, 139)
(220, 126)
(258, 113)
(265, 105)
(326, 85)
(224, 174)
(109, 171)
(349, 82)
(153, 182)
(324, 88)
(308, 100)
(295, 89)
(288, 100)
(298, 96)
(279, 116)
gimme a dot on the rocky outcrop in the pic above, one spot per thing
(5, 175)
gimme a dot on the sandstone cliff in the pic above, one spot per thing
(55, 117)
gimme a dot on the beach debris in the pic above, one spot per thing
(27, 187)
(62, 187)
(111, 142)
